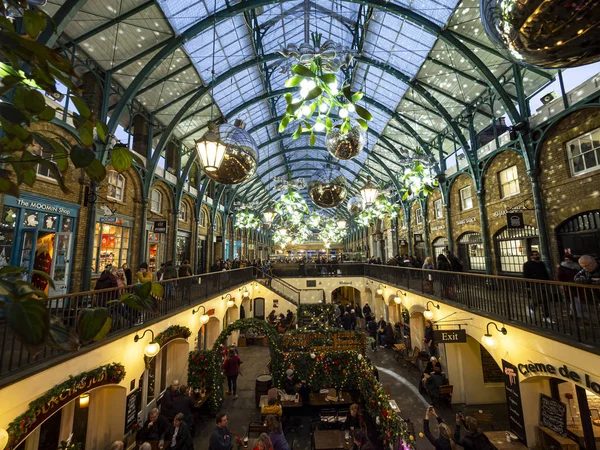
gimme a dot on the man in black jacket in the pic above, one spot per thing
(434, 383)
(221, 438)
(534, 269)
(179, 436)
(154, 429)
(474, 438)
(183, 404)
(166, 402)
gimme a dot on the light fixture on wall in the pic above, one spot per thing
(84, 401)
(488, 340)
(429, 313)
(204, 317)
(397, 298)
(231, 300)
(3, 438)
(380, 289)
(152, 348)
(244, 292)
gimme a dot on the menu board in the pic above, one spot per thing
(131, 409)
(553, 414)
(513, 400)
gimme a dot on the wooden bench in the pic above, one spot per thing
(412, 360)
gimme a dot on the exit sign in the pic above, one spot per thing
(449, 336)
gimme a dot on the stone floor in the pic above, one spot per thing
(397, 380)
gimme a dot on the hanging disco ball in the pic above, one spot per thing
(328, 188)
(345, 145)
(550, 34)
(355, 206)
(241, 154)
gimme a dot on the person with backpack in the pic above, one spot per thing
(474, 439)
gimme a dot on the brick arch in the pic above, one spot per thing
(206, 210)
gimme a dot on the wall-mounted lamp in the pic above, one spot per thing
(152, 348)
(230, 302)
(244, 292)
(488, 339)
(397, 297)
(380, 289)
(429, 313)
(3, 438)
(84, 401)
(204, 317)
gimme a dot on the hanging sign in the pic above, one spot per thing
(514, 220)
(219, 238)
(516, 423)
(449, 336)
(160, 226)
(418, 237)
(403, 242)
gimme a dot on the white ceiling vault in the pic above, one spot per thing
(123, 35)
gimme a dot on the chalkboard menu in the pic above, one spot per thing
(553, 415)
(131, 407)
(513, 400)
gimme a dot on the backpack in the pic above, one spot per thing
(481, 441)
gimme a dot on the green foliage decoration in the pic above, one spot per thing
(204, 372)
(247, 219)
(166, 336)
(417, 182)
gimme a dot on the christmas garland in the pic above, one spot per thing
(61, 394)
(204, 372)
(322, 316)
(164, 337)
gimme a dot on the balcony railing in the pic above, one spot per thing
(179, 294)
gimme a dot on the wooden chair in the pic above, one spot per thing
(412, 360)
(446, 394)
(483, 418)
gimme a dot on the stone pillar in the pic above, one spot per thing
(172, 158)
(143, 233)
(140, 136)
(487, 250)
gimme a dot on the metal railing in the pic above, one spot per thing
(569, 310)
(281, 287)
(313, 270)
(178, 294)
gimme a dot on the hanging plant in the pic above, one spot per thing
(247, 219)
(291, 207)
(417, 182)
(331, 232)
(381, 209)
(320, 95)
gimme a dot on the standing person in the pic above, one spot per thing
(121, 280)
(535, 269)
(447, 281)
(128, 274)
(347, 321)
(276, 433)
(167, 402)
(444, 441)
(160, 272)
(372, 330)
(144, 274)
(361, 441)
(428, 276)
(185, 271)
(428, 338)
(380, 331)
(231, 367)
(428, 264)
(567, 271)
(455, 263)
(170, 273)
(154, 429)
(179, 435)
(184, 405)
(389, 335)
(353, 320)
(107, 279)
(474, 438)
(221, 438)
(366, 310)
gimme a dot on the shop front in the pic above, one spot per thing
(157, 244)
(112, 242)
(38, 234)
(184, 239)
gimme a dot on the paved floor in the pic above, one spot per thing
(397, 380)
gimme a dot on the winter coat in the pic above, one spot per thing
(143, 277)
(535, 270)
(106, 280)
(167, 407)
(231, 366)
(278, 441)
(169, 273)
(183, 440)
(185, 270)
(185, 405)
(439, 443)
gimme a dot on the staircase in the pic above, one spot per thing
(280, 287)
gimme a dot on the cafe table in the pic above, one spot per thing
(264, 400)
(199, 401)
(498, 440)
(330, 440)
(318, 399)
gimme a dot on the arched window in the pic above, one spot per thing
(513, 245)
(439, 245)
(184, 212)
(156, 201)
(580, 235)
(116, 186)
(202, 221)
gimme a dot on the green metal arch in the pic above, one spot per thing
(177, 41)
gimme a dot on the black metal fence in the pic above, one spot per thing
(178, 294)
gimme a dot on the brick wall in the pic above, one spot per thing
(166, 213)
(437, 227)
(457, 214)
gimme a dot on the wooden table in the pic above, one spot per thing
(199, 401)
(578, 431)
(498, 440)
(400, 350)
(330, 440)
(549, 438)
(264, 401)
(316, 399)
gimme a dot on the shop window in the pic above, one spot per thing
(184, 212)
(513, 245)
(439, 209)
(42, 170)
(7, 234)
(509, 182)
(584, 152)
(156, 201)
(470, 251)
(111, 246)
(183, 247)
(419, 216)
(439, 245)
(116, 186)
(580, 234)
(466, 199)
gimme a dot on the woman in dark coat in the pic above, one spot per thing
(444, 441)
(389, 335)
(231, 367)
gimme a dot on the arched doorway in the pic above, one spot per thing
(439, 245)
(213, 328)
(259, 308)
(231, 315)
(580, 235)
(346, 295)
(470, 251)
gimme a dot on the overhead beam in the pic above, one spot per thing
(65, 14)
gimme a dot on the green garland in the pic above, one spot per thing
(164, 337)
(64, 392)
(322, 315)
(204, 372)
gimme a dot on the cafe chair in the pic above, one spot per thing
(256, 427)
(412, 360)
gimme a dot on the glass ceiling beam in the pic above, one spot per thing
(453, 69)
(139, 56)
(176, 42)
(451, 97)
(56, 27)
(105, 26)
(165, 78)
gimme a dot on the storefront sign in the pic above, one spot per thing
(44, 207)
(466, 221)
(345, 283)
(514, 220)
(516, 422)
(544, 370)
(113, 219)
(418, 237)
(553, 414)
(403, 242)
(449, 336)
(131, 410)
(438, 227)
(259, 249)
(160, 226)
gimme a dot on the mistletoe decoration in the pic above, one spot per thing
(382, 208)
(331, 232)
(292, 207)
(247, 219)
(320, 96)
(417, 182)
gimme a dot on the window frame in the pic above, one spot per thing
(202, 219)
(441, 208)
(419, 216)
(184, 212)
(44, 155)
(514, 181)
(463, 199)
(159, 201)
(119, 177)
(593, 150)
(124, 235)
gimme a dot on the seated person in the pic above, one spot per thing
(272, 408)
(434, 382)
(433, 362)
(293, 387)
(271, 317)
(353, 420)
